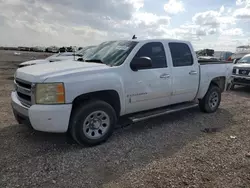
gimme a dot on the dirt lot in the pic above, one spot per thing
(170, 151)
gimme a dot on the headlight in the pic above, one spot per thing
(50, 93)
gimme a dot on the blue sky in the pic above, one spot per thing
(217, 24)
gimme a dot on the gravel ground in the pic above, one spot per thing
(170, 151)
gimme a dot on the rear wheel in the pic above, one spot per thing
(211, 100)
(92, 123)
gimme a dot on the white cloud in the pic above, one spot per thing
(232, 32)
(222, 42)
(208, 18)
(174, 7)
(243, 2)
(214, 19)
(149, 19)
(50, 20)
(84, 22)
(239, 2)
(222, 9)
(242, 13)
(137, 3)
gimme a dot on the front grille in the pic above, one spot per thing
(23, 96)
(244, 72)
(23, 84)
(234, 71)
(23, 89)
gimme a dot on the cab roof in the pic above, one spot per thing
(158, 39)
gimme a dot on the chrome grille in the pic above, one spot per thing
(23, 89)
(244, 72)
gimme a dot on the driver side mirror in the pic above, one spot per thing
(141, 63)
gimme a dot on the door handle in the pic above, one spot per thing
(164, 76)
(193, 72)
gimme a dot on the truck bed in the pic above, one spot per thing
(205, 62)
(211, 69)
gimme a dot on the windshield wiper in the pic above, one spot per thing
(94, 60)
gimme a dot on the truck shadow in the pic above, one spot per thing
(130, 147)
(242, 91)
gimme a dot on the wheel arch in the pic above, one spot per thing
(219, 82)
(110, 96)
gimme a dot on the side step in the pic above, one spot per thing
(162, 111)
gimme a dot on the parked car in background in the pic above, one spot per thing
(61, 56)
(241, 51)
(38, 49)
(23, 48)
(241, 72)
(223, 55)
(52, 49)
(133, 80)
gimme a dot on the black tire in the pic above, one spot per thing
(232, 87)
(80, 115)
(18, 119)
(205, 103)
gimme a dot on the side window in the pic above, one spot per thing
(181, 54)
(156, 52)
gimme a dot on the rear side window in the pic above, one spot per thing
(181, 54)
(156, 52)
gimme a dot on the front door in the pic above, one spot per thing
(185, 73)
(149, 88)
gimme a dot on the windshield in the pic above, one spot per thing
(111, 53)
(85, 50)
(244, 60)
(66, 54)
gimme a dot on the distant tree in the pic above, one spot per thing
(69, 49)
(62, 49)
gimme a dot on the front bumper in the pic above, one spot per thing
(241, 80)
(46, 118)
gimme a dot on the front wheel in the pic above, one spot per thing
(232, 87)
(211, 100)
(92, 123)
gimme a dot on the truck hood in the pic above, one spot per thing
(61, 58)
(242, 65)
(40, 73)
(35, 62)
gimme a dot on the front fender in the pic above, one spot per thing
(92, 83)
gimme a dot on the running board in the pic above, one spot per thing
(163, 111)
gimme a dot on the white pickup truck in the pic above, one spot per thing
(133, 80)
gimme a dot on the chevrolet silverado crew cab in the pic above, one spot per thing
(123, 80)
(241, 72)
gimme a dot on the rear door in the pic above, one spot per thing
(185, 73)
(149, 88)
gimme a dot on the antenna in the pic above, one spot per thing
(134, 37)
(74, 54)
